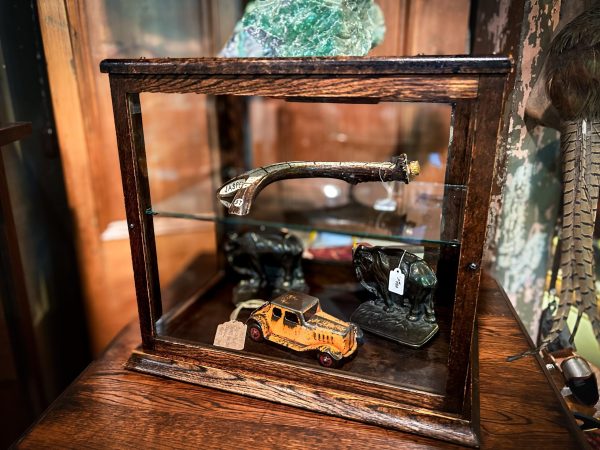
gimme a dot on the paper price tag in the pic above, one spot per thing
(231, 335)
(396, 283)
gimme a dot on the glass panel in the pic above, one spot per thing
(179, 167)
(302, 235)
(284, 131)
(184, 247)
(179, 163)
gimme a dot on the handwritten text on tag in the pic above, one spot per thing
(396, 283)
(231, 335)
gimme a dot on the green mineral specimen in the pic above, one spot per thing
(278, 28)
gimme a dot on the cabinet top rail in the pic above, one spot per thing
(310, 66)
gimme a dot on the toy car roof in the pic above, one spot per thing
(295, 301)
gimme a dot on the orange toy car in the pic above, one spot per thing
(296, 321)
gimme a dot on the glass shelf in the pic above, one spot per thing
(332, 206)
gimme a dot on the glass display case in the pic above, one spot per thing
(349, 284)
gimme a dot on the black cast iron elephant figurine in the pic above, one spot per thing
(404, 314)
(373, 266)
(268, 263)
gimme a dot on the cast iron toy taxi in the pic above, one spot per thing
(296, 321)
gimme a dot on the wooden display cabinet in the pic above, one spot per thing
(431, 390)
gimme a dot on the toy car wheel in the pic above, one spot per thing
(326, 360)
(254, 332)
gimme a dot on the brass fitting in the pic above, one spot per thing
(414, 169)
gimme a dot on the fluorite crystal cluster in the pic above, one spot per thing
(279, 28)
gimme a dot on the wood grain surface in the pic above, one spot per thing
(322, 66)
(110, 407)
(68, 105)
(473, 233)
(416, 88)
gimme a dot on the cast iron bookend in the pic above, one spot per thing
(405, 313)
(268, 264)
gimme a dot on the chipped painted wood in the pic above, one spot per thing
(532, 190)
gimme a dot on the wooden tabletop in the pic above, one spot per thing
(109, 407)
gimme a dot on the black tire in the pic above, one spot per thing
(255, 332)
(326, 360)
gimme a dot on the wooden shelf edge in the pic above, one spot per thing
(433, 424)
(340, 65)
